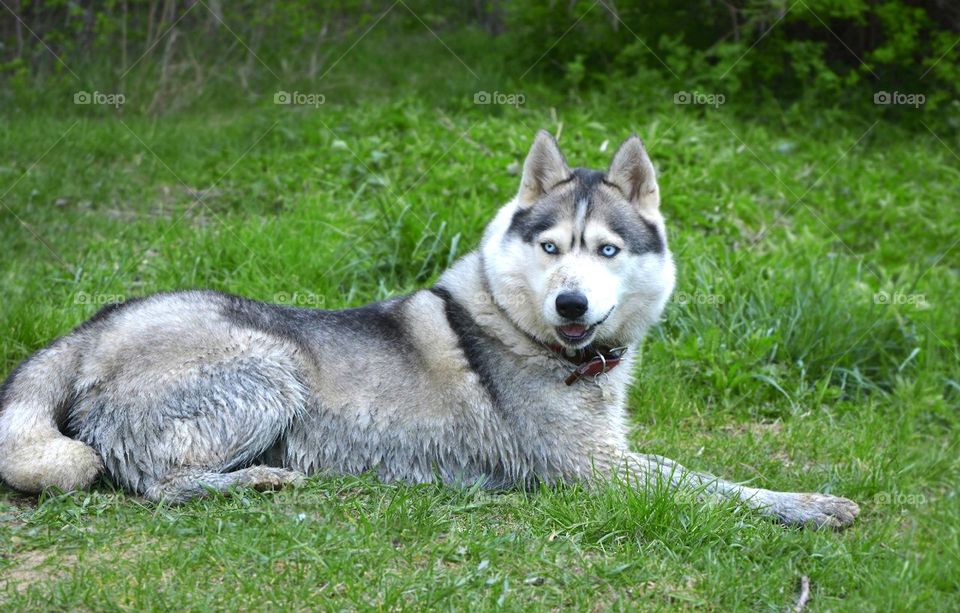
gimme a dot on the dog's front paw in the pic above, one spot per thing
(816, 510)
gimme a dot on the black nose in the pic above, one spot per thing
(571, 304)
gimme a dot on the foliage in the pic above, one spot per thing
(814, 52)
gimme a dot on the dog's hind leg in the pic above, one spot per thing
(191, 483)
(204, 426)
(788, 507)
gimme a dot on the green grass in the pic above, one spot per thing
(776, 362)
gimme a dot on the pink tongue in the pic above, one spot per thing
(573, 330)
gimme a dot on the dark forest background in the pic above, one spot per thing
(815, 53)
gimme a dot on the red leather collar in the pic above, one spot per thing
(591, 361)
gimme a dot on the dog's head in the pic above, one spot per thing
(580, 256)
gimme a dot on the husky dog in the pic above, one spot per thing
(512, 370)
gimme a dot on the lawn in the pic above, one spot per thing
(811, 346)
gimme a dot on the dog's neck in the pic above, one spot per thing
(590, 361)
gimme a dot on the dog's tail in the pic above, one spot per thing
(34, 454)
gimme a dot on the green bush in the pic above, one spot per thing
(844, 51)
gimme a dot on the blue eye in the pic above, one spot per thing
(549, 247)
(608, 251)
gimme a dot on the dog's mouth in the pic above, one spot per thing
(575, 333)
(579, 334)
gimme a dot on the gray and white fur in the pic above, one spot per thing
(179, 394)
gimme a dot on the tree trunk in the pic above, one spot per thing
(18, 25)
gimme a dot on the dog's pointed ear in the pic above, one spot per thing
(632, 172)
(543, 169)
